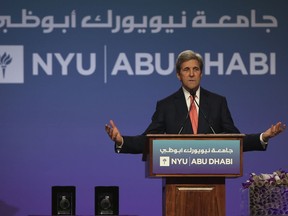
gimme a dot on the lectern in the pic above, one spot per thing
(193, 169)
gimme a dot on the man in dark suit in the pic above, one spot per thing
(172, 113)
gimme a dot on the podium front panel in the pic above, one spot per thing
(195, 157)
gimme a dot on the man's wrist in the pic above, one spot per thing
(263, 140)
(119, 145)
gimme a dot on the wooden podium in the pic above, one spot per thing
(193, 169)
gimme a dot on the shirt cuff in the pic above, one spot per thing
(264, 144)
(119, 147)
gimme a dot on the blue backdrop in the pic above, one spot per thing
(68, 67)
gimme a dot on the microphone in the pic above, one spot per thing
(184, 123)
(187, 115)
(193, 93)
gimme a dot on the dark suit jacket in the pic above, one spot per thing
(171, 115)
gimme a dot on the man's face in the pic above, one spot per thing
(190, 75)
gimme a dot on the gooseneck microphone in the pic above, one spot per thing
(193, 93)
(184, 123)
(187, 115)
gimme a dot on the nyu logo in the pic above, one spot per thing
(165, 161)
(137, 64)
(11, 64)
(5, 60)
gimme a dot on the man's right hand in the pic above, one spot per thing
(114, 133)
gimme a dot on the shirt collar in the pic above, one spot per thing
(187, 94)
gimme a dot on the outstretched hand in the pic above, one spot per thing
(273, 131)
(114, 133)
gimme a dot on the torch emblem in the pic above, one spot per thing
(5, 60)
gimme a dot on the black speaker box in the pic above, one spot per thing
(63, 200)
(106, 200)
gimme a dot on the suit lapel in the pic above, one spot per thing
(203, 127)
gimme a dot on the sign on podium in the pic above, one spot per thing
(194, 168)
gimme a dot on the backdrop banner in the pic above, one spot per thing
(68, 67)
